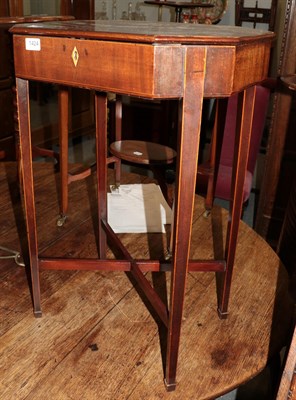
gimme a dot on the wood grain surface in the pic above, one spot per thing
(97, 338)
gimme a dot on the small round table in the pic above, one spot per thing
(179, 6)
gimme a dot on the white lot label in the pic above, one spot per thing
(33, 44)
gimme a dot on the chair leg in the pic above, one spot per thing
(66, 177)
(63, 134)
(117, 167)
(117, 171)
(117, 117)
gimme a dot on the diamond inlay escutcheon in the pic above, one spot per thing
(75, 56)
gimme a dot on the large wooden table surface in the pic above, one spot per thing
(97, 339)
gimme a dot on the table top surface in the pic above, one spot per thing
(84, 308)
(145, 32)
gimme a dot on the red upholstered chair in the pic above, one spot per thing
(219, 186)
(214, 176)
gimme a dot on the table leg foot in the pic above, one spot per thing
(170, 387)
(37, 313)
(222, 314)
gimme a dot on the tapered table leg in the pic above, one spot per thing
(184, 199)
(215, 155)
(22, 87)
(242, 143)
(101, 152)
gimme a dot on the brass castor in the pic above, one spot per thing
(206, 213)
(61, 220)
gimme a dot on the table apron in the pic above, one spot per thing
(144, 70)
(127, 68)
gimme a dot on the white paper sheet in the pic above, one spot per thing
(138, 208)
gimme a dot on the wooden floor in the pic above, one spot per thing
(97, 338)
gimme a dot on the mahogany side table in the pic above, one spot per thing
(150, 60)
